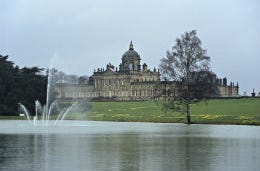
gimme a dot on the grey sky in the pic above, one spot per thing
(79, 36)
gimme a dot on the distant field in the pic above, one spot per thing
(216, 111)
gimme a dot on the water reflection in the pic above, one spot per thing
(20, 152)
(150, 147)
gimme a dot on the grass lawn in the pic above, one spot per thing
(215, 111)
(227, 111)
(12, 117)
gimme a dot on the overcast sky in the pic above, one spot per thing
(78, 36)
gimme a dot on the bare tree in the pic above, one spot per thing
(185, 58)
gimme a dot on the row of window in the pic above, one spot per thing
(109, 82)
(80, 94)
(146, 92)
(118, 81)
(144, 80)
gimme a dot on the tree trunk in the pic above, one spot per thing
(188, 113)
(188, 94)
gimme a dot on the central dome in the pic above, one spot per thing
(131, 53)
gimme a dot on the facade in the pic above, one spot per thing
(226, 90)
(130, 81)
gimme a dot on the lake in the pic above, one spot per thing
(90, 145)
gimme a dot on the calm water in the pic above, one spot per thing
(86, 145)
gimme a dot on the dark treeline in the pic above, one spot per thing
(23, 85)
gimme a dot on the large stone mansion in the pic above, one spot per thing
(130, 81)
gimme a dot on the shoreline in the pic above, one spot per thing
(193, 123)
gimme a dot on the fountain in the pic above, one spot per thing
(45, 113)
(26, 112)
(42, 113)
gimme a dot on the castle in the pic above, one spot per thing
(130, 81)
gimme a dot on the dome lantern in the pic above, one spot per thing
(131, 46)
